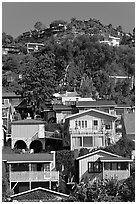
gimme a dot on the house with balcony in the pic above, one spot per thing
(102, 165)
(30, 134)
(90, 129)
(28, 171)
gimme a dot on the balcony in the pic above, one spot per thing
(87, 131)
(27, 176)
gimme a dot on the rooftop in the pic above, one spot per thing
(102, 113)
(28, 122)
(99, 103)
(27, 157)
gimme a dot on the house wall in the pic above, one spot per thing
(83, 167)
(96, 133)
(27, 133)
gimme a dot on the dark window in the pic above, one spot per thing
(79, 123)
(107, 166)
(107, 127)
(82, 124)
(95, 122)
(115, 166)
(85, 124)
(76, 124)
(94, 167)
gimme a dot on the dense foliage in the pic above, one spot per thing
(109, 190)
(71, 59)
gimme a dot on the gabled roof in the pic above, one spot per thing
(99, 103)
(28, 122)
(41, 189)
(96, 152)
(91, 110)
(129, 122)
(27, 157)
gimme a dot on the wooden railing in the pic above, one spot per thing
(87, 131)
(34, 176)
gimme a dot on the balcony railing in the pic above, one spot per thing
(87, 131)
(21, 176)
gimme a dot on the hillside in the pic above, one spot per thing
(77, 55)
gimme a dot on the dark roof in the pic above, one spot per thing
(58, 194)
(28, 122)
(98, 103)
(61, 107)
(129, 122)
(26, 157)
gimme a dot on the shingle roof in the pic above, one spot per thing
(61, 107)
(129, 122)
(14, 158)
(98, 103)
(28, 122)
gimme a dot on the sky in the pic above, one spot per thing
(19, 17)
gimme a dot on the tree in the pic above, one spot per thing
(39, 26)
(6, 39)
(38, 79)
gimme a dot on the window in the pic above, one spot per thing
(107, 127)
(95, 122)
(76, 124)
(76, 141)
(107, 166)
(122, 165)
(85, 124)
(94, 167)
(82, 124)
(115, 166)
(79, 123)
(87, 141)
(47, 167)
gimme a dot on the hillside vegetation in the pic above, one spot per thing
(72, 58)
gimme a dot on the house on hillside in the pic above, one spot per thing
(29, 171)
(111, 41)
(32, 47)
(10, 101)
(90, 129)
(30, 134)
(103, 165)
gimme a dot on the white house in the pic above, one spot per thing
(101, 164)
(91, 128)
